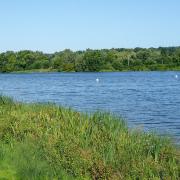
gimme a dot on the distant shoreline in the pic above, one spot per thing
(56, 70)
(104, 60)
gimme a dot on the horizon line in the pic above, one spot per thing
(94, 49)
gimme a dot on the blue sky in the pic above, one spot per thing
(53, 25)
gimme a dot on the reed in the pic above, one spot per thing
(45, 141)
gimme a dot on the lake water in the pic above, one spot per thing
(150, 100)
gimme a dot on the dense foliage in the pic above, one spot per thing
(93, 60)
(44, 141)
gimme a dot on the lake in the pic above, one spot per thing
(148, 100)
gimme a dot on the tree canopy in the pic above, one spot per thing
(119, 59)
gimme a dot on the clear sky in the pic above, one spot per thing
(53, 25)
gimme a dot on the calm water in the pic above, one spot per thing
(150, 100)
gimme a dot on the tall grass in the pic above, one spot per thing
(44, 141)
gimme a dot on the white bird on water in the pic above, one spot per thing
(97, 80)
(176, 76)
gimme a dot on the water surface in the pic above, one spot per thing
(150, 100)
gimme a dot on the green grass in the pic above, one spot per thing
(35, 71)
(124, 69)
(44, 141)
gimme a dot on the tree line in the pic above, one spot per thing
(119, 59)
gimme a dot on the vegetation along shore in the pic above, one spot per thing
(119, 59)
(45, 141)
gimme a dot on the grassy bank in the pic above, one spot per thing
(44, 141)
(137, 68)
(36, 71)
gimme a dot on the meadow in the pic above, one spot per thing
(46, 141)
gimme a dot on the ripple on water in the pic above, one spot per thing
(149, 99)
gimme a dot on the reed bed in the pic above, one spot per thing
(45, 141)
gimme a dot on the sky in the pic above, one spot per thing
(55, 25)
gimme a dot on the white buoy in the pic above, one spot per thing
(97, 80)
(176, 76)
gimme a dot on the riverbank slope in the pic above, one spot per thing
(41, 141)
